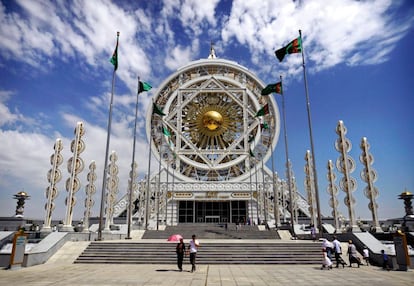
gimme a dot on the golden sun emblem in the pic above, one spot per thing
(213, 121)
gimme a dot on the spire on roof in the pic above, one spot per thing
(212, 54)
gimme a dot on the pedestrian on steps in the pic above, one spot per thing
(193, 247)
(180, 250)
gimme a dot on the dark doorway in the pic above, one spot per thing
(212, 212)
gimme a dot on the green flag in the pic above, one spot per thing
(157, 110)
(264, 125)
(143, 86)
(166, 132)
(293, 47)
(263, 111)
(273, 87)
(114, 58)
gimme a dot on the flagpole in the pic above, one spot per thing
(287, 160)
(166, 193)
(275, 193)
(311, 138)
(257, 196)
(132, 168)
(159, 186)
(264, 191)
(172, 193)
(251, 190)
(148, 179)
(108, 136)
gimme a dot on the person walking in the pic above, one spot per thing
(352, 254)
(385, 264)
(326, 261)
(180, 250)
(313, 232)
(193, 247)
(328, 246)
(338, 251)
(365, 254)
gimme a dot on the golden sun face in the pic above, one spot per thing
(212, 120)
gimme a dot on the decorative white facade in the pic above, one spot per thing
(216, 134)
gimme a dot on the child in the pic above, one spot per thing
(385, 260)
(365, 254)
(326, 262)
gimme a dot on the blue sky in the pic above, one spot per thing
(55, 71)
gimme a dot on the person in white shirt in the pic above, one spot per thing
(193, 247)
(338, 251)
(328, 246)
(365, 254)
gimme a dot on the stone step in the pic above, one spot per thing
(212, 231)
(209, 253)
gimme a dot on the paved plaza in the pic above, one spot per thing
(60, 270)
(226, 275)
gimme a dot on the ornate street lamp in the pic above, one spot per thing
(407, 197)
(21, 197)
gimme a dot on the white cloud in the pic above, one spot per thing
(6, 116)
(194, 12)
(178, 57)
(23, 166)
(339, 31)
(80, 31)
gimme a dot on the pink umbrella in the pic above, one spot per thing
(175, 237)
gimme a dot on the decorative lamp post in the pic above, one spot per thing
(75, 165)
(332, 189)
(346, 165)
(369, 175)
(90, 191)
(21, 197)
(53, 176)
(407, 197)
(112, 186)
(310, 187)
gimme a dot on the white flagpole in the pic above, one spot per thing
(166, 192)
(157, 197)
(311, 138)
(148, 180)
(108, 136)
(132, 168)
(287, 161)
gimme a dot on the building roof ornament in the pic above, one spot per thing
(212, 54)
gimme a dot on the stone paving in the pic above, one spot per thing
(60, 270)
(226, 275)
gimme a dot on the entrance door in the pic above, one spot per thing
(213, 212)
(212, 218)
(238, 211)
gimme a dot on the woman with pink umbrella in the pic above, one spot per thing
(179, 249)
